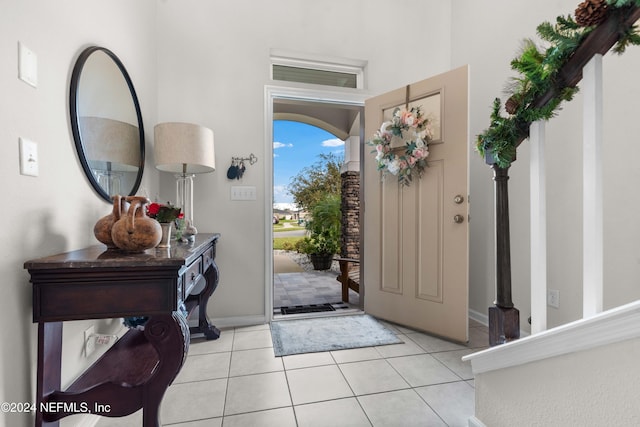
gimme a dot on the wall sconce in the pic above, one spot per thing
(184, 149)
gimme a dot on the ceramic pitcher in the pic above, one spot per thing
(102, 229)
(135, 231)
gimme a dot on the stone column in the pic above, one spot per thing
(350, 215)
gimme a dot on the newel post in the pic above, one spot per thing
(504, 318)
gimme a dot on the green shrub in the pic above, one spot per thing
(288, 246)
(324, 227)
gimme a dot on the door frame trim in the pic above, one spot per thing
(352, 97)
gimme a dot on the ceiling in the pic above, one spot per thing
(336, 119)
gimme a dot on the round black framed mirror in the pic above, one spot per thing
(106, 123)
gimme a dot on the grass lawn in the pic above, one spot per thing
(278, 242)
(292, 227)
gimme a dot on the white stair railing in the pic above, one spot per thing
(592, 208)
(592, 211)
(538, 228)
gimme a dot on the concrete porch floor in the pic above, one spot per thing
(295, 285)
(314, 287)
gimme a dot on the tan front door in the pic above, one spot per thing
(416, 237)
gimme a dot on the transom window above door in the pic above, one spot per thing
(317, 70)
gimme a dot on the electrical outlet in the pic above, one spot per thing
(553, 298)
(89, 341)
(105, 339)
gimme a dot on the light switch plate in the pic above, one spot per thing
(28, 157)
(27, 65)
(243, 192)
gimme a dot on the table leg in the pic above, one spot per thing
(204, 324)
(49, 366)
(168, 334)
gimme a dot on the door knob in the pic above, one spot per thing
(458, 219)
(458, 199)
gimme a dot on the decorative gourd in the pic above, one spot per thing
(135, 231)
(102, 229)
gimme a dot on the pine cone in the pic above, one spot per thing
(591, 12)
(511, 105)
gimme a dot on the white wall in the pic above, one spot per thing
(587, 388)
(213, 67)
(55, 211)
(487, 37)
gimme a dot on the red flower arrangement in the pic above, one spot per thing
(164, 213)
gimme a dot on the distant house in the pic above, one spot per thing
(288, 212)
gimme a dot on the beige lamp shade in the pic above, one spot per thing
(111, 141)
(184, 148)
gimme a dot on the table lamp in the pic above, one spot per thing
(184, 149)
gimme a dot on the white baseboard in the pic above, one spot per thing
(611, 326)
(474, 422)
(232, 322)
(479, 317)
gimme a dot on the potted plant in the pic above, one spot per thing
(166, 215)
(323, 241)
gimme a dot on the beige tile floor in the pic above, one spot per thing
(237, 381)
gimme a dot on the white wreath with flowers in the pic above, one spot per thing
(416, 132)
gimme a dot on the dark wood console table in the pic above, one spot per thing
(96, 283)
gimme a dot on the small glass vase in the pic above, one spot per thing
(178, 229)
(165, 242)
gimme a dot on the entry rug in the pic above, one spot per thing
(310, 308)
(328, 334)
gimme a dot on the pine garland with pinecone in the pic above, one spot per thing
(512, 104)
(538, 74)
(591, 12)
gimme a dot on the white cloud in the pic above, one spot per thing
(333, 143)
(277, 144)
(280, 190)
(281, 194)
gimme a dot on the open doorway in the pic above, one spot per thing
(307, 216)
(297, 289)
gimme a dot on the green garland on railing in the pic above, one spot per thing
(622, 3)
(538, 74)
(630, 35)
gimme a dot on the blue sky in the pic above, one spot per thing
(295, 146)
